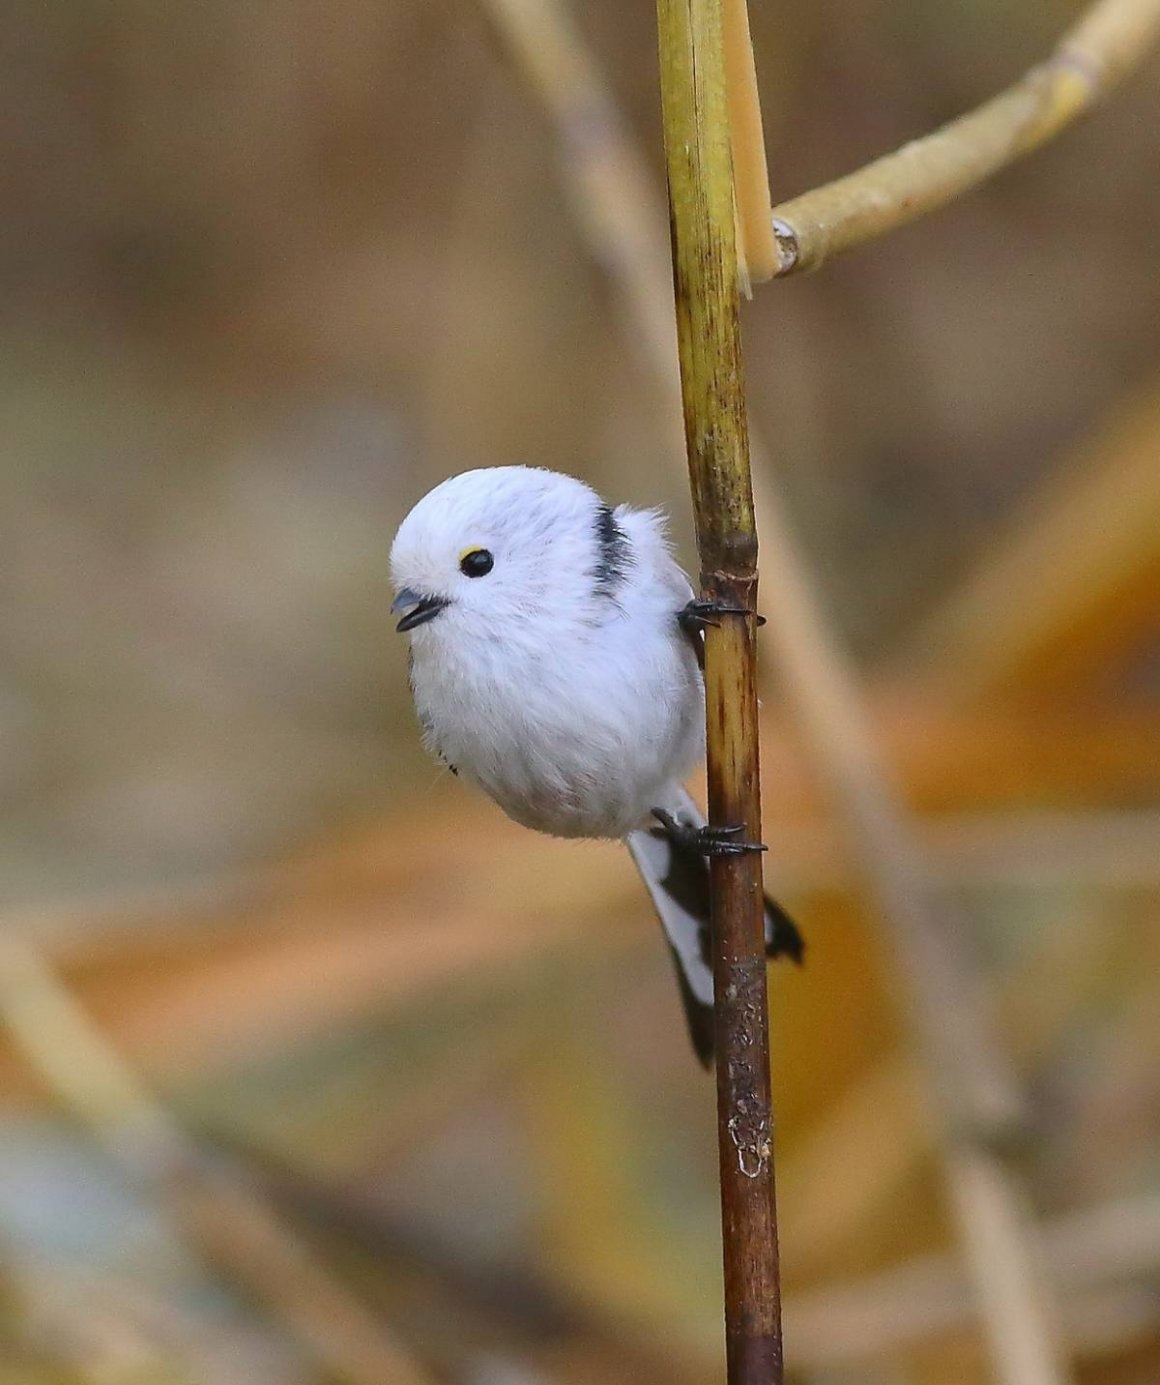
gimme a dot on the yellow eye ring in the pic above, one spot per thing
(475, 562)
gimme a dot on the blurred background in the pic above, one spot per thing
(314, 1067)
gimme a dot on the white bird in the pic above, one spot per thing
(556, 652)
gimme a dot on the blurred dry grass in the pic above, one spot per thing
(267, 273)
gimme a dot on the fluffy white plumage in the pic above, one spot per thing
(549, 666)
(560, 681)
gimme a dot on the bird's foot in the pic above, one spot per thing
(694, 617)
(707, 840)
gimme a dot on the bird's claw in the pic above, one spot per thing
(710, 840)
(699, 613)
(725, 841)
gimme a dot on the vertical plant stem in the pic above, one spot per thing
(971, 1081)
(705, 277)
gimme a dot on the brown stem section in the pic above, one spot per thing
(744, 1110)
(700, 177)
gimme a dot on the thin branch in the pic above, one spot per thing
(700, 173)
(976, 1094)
(1110, 39)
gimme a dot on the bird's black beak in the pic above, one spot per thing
(416, 609)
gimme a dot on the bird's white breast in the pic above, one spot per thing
(574, 728)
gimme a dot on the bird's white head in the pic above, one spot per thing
(498, 549)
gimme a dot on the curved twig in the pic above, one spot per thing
(930, 172)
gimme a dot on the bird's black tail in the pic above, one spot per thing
(677, 878)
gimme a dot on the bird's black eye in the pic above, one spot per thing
(476, 562)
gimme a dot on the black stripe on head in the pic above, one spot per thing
(613, 553)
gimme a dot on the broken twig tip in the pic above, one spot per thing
(787, 246)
